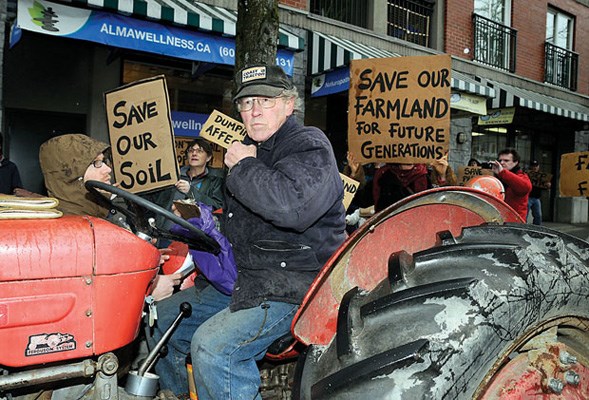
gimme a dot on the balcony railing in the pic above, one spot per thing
(494, 43)
(352, 12)
(561, 67)
(410, 20)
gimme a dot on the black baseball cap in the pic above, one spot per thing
(261, 80)
(534, 162)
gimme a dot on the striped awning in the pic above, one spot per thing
(464, 83)
(188, 13)
(329, 52)
(509, 96)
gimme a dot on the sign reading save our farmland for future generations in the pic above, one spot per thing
(141, 135)
(399, 109)
(574, 174)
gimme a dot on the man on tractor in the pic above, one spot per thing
(284, 217)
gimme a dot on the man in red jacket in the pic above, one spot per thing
(517, 183)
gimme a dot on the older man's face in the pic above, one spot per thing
(262, 122)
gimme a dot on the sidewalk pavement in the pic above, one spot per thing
(579, 230)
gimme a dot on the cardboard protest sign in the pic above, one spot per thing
(540, 179)
(182, 158)
(399, 109)
(350, 189)
(222, 129)
(574, 174)
(141, 135)
(467, 173)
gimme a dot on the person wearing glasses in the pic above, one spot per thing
(284, 217)
(67, 161)
(197, 182)
(516, 182)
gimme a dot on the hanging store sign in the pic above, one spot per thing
(500, 116)
(331, 82)
(119, 31)
(188, 124)
(469, 102)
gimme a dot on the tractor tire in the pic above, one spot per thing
(449, 319)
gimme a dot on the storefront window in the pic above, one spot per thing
(201, 94)
(488, 142)
(523, 145)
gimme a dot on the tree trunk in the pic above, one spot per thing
(257, 32)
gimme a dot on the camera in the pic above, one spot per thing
(486, 165)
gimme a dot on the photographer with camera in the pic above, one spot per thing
(517, 183)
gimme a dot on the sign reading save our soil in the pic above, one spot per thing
(399, 108)
(141, 135)
(574, 174)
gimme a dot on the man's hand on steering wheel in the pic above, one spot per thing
(197, 240)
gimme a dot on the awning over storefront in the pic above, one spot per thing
(329, 53)
(186, 13)
(113, 29)
(509, 96)
(464, 83)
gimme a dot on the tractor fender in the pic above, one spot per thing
(448, 319)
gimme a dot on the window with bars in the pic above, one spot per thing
(494, 43)
(561, 62)
(353, 12)
(410, 20)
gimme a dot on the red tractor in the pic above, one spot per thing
(445, 294)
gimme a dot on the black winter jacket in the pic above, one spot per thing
(283, 215)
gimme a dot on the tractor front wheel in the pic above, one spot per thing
(499, 312)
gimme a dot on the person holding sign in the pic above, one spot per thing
(284, 217)
(67, 161)
(393, 182)
(517, 183)
(197, 181)
(534, 203)
(441, 174)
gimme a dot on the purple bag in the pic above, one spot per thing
(219, 269)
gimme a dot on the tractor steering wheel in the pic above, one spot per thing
(199, 240)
